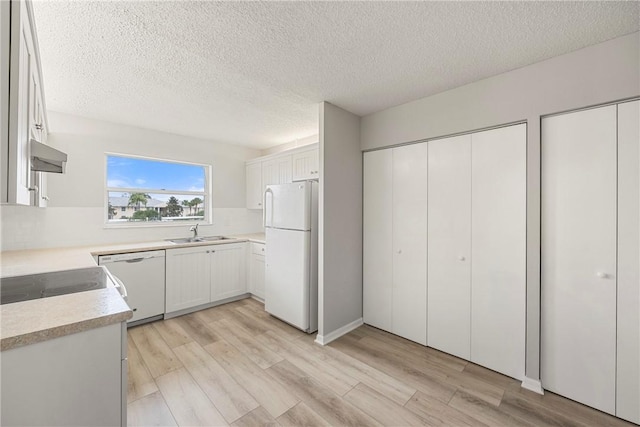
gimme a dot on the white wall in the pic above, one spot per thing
(602, 73)
(75, 215)
(340, 220)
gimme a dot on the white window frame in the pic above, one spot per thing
(208, 213)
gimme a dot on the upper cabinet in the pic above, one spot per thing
(254, 185)
(276, 171)
(22, 105)
(292, 165)
(305, 165)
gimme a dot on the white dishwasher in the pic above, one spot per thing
(144, 277)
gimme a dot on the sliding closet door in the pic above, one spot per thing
(579, 256)
(449, 245)
(628, 354)
(409, 312)
(498, 249)
(377, 239)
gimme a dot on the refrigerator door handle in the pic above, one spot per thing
(264, 210)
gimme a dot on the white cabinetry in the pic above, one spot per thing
(276, 171)
(204, 274)
(228, 272)
(590, 327)
(254, 185)
(5, 46)
(76, 380)
(292, 165)
(188, 277)
(305, 165)
(395, 198)
(256, 269)
(26, 112)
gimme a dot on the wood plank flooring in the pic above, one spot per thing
(236, 365)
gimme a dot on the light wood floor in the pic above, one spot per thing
(236, 365)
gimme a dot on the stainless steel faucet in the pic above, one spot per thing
(194, 228)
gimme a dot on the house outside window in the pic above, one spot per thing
(145, 191)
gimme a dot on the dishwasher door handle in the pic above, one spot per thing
(122, 287)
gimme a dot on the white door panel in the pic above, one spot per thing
(628, 350)
(498, 250)
(377, 239)
(287, 276)
(449, 245)
(409, 297)
(578, 325)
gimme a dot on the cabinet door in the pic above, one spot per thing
(283, 167)
(256, 275)
(276, 171)
(409, 188)
(305, 165)
(578, 324)
(628, 354)
(188, 277)
(254, 186)
(22, 93)
(449, 245)
(498, 249)
(377, 240)
(228, 271)
(5, 37)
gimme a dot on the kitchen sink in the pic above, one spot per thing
(44, 285)
(198, 239)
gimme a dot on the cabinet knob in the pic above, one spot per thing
(259, 204)
(38, 126)
(399, 251)
(208, 251)
(34, 188)
(602, 275)
(45, 198)
(461, 258)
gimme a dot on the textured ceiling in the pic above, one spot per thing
(251, 73)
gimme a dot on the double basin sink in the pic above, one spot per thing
(197, 239)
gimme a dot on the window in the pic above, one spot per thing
(147, 191)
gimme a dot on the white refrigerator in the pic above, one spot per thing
(291, 265)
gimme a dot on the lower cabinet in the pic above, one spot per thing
(203, 274)
(256, 269)
(228, 273)
(78, 379)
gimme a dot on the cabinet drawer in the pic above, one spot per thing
(258, 248)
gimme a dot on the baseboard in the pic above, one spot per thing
(532, 385)
(332, 336)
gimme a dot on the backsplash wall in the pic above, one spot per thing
(75, 215)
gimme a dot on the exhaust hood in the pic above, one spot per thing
(47, 159)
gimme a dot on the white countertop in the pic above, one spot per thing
(38, 320)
